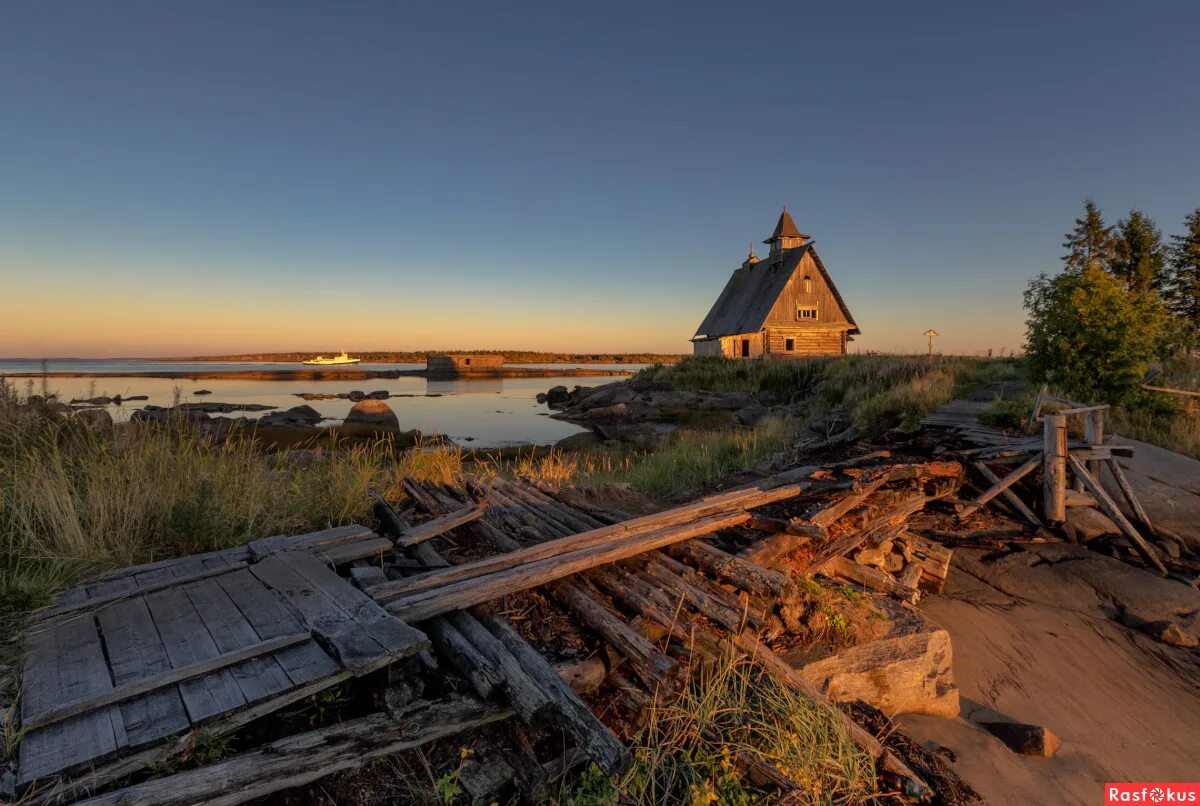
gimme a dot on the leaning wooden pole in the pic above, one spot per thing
(1054, 468)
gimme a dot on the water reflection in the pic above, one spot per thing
(476, 413)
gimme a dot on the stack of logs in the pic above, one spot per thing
(659, 590)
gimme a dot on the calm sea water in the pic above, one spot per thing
(474, 413)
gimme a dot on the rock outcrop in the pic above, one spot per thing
(643, 411)
(907, 671)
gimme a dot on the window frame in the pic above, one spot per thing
(801, 310)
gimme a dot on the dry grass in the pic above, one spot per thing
(879, 391)
(693, 749)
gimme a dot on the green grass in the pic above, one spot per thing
(687, 460)
(879, 391)
(693, 749)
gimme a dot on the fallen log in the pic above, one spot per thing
(748, 576)
(683, 518)
(589, 733)
(869, 577)
(520, 575)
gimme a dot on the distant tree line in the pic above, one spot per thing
(1124, 298)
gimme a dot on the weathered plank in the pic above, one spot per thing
(164, 679)
(187, 641)
(271, 618)
(1110, 508)
(361, 634)
(464, 593)
(1002, 486)
(135, 651)
(604, 536)
(307, 757)
(66, 663)
(439, 526)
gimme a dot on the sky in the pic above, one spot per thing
(210, 177)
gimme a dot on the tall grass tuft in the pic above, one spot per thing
(693, 749)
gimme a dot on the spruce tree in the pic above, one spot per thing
(1183, 290)
(1138, 255)
(1090, 244)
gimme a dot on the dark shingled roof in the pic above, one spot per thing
(786, 228)
(746, 302)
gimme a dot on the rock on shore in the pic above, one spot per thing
(642, 411)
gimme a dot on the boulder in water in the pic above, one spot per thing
(372, 415)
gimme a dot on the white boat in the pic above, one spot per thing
(322, 361)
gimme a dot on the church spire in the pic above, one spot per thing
(785, 236)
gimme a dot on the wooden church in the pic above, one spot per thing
(785, 306)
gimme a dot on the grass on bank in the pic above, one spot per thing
(877, 391)
(694, 750)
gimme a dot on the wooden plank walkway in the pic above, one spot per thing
(137, 657)
(962, 416)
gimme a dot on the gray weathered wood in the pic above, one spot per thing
(604, 536)
(136, 688)
(259, 675)
(439, 526)
(358, 631)
(271, 618)
(468, 592)
(1003, 486)
(1054, 472)
(589, 733)
(135, 652)
(1131, 498)
(1110, 508)
(307, 757)
(187, 641)
(66, 663)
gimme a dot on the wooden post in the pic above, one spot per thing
(1093, 434)
(1054, 477)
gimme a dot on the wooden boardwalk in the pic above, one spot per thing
(119, 667)
(962, 416)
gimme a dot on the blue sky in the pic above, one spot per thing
(208, 177)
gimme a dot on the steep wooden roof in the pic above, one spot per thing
(751, 292)
(786, 228)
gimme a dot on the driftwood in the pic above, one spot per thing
(679, 521)
(873, 578)
(748, 576)
(1054, 472)
(591, 736)
(520, 575)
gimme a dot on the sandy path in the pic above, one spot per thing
(1035, 641)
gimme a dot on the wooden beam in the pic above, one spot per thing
(721, 505)
(307, 757)
(1109, 508)
(1002, 487)
(439, 526)
(1130, 496)
(463, 593)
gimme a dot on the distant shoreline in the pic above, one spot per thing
(339, 374)
(419, 357)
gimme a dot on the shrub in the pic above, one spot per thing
(1091, 337)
